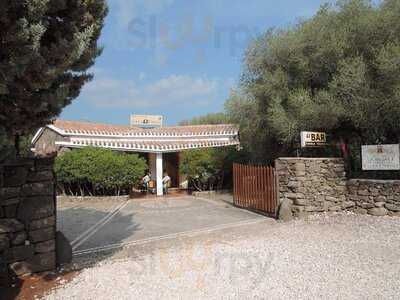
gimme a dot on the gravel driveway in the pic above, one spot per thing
(341, 256)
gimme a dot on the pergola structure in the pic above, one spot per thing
(156, 142)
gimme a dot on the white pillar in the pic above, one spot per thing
(159, 167)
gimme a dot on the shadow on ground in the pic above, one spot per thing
(73, 222)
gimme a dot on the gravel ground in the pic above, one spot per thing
(342, 256)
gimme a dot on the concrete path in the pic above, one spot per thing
(103, 224)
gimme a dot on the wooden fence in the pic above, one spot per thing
(255, 187)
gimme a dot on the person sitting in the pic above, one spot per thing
(166, 183)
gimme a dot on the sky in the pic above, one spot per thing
(176, 58)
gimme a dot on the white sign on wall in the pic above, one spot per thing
(146, 121)
(313, 139)
(380, 157)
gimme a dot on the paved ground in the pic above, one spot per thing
(339, 256)
(107, 223)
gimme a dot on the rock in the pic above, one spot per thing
(15, 176)
(8, 193)
(18, 238)
(10, 211)
(44, 164)
(285, 211)
(378, 211)
(41, 235)
(360, 211)
(36, 208)
(331, 199)
(42, 223)
(38, 263)
(43, 262)
(367, 205)
(4, 242)
(38, 189)
(10, 225)
(291, 196)
(300, 202)
(348, 204)
(335, 208)
(20, 253)
(64, 249)
(40, 176)
(45, 247)
(392, 207)
(363, 193)
(379, 204)
(293, 184)
(380, 199)
(20, 268)
(311, 208)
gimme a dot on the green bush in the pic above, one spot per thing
(97, 171)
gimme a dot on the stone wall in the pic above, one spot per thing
(375, 197)
(28, 215)
(312, 185)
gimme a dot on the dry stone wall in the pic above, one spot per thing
(375, 197)
(28, 215)
(312, 185)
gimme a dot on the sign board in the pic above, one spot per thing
(380, 157)
(313, 139)
(146, 121)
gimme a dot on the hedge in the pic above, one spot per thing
(95, 171)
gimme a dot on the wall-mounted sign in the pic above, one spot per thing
(313, 139)
(380, 157)
(146, 121)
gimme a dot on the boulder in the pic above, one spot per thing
(378, 211)
(379, 204)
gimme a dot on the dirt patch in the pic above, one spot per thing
(36, 286)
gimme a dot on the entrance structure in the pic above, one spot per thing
(160, 146)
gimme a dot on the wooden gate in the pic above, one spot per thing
(255, 187)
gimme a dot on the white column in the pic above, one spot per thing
(159, 167)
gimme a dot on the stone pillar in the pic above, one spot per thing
(159, 167)
(27, 215)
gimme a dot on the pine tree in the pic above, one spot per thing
(46, 48)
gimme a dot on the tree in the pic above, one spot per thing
(200, 166)
(337, 72)
(46, 49)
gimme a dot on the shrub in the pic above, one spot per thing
(97, 171)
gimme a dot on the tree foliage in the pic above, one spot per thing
(96, 171)
(210, 168)
(338, 71)
(208, 119)
(46, 49)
